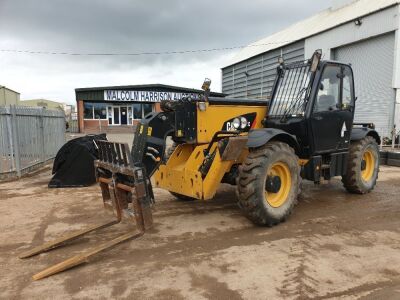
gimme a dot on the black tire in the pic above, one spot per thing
(168, 153)
(251, 183)
(353, 180)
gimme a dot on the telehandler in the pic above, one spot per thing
(265, 148)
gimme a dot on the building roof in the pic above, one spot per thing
(40, 102)
(96, 93)
(4, 87)
(320, 22)
(141, 86)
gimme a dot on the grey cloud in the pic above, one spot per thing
(129, 26)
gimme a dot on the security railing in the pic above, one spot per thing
(29, 137)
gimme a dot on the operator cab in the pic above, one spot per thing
(314, 101)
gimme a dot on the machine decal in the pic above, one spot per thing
(344, 129)
(240, 123)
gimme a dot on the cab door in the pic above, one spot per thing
(333, 110)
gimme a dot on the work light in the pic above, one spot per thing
(236, 123)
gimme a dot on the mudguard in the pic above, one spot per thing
(359, 133)
(259, 137)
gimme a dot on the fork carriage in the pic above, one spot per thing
(125, 188)
(126, 191)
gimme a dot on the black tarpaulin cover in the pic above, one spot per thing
(74, 162)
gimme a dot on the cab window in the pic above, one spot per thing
(347, 95)
(329, 90)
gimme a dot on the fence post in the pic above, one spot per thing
(393, 136)
(41, 135)
(15, 138)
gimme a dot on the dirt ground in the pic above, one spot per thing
(335, 245)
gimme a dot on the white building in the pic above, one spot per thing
(364, 33)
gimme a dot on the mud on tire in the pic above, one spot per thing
(353, 180)
(251, 183)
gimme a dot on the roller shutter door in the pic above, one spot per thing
(372, 62)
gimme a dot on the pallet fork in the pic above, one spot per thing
(126, 190)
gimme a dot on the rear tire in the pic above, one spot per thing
(362, 166)
(275, 159)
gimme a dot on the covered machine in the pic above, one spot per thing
(74, 162)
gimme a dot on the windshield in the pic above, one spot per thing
(291, 91)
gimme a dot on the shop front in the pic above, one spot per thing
(117, 109)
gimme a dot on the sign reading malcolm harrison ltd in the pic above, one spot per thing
(145, 96)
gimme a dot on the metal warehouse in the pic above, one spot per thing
(118, 108)
(364, 33)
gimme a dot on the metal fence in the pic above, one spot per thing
(29, 137)
(72, 121)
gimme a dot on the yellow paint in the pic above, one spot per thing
(179, 133)
(369, 159)
(149, 130)
(141, 129)
(303, 162)
(181, 173)
(213, 118)
(281, 170)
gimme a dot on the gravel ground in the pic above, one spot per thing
(335, 245)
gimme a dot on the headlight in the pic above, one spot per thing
(202, 106)
(243, 122)
(236, 123)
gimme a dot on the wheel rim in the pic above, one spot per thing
(281, 170)
(369, 161)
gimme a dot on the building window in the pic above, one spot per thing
(88, 111)
(137, 111)
(100, 111)
(147, 108)
(104, 111)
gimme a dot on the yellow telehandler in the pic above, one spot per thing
(265, 148)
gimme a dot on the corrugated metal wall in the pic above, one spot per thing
(255, 76)
(372, 61)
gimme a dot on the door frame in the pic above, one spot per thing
(340, 113)
(113, 107)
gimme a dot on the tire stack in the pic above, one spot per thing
(393, 159)
(383, 157)
(390, 158)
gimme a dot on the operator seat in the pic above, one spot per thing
(325, 103)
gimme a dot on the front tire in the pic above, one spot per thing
(362, 166)
(269, 183)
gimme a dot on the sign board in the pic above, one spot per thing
(144, 96)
